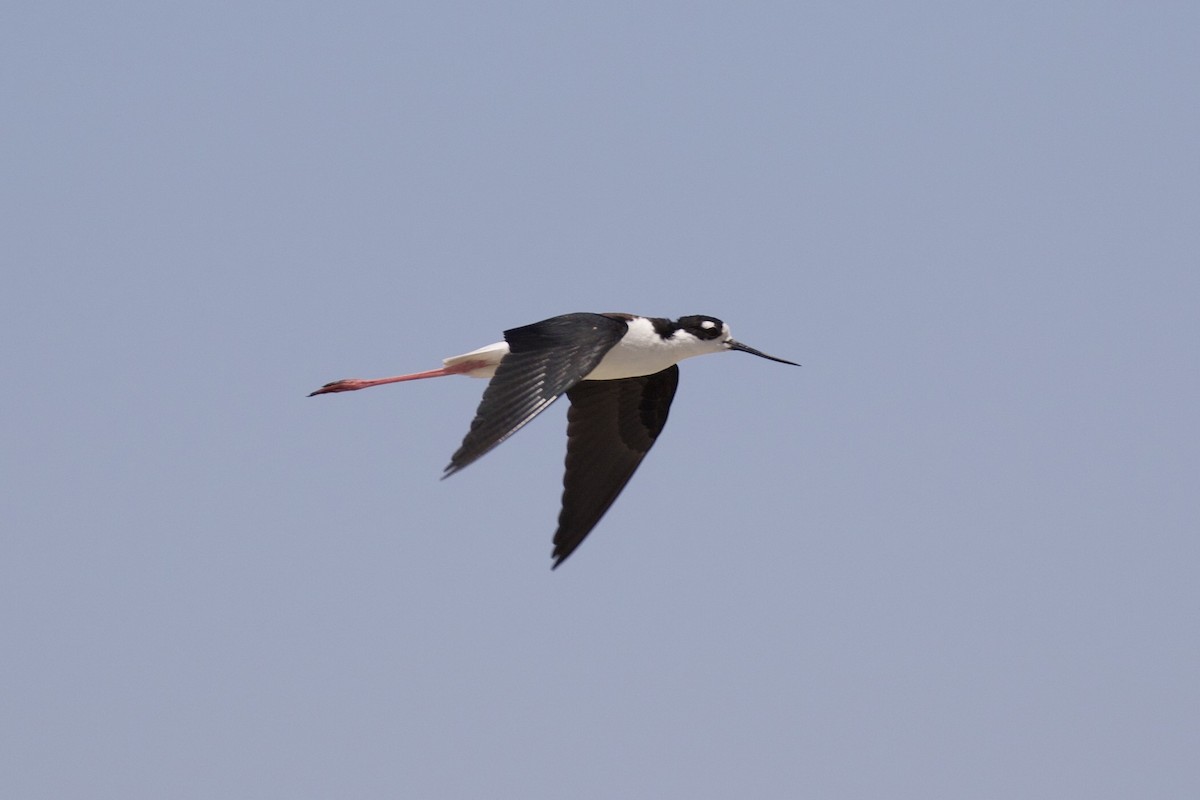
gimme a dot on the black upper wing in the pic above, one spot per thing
(544, 360)
(610, 427)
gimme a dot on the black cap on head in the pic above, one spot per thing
(701, 327)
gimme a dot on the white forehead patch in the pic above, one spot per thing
(708, 324)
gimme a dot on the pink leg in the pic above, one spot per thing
(354, 384)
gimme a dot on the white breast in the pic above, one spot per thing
(643, 352)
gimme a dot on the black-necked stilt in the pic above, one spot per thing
(619, 372)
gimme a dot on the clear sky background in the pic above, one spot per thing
(955, 555)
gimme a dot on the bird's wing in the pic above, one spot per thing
(610, 427)
(544, 360)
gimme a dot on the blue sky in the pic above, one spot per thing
(953, 556)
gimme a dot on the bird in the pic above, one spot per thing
(619, 372)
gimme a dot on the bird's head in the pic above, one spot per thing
(712, 330)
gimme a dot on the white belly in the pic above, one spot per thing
(625, 362)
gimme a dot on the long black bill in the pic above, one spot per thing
(733, 345)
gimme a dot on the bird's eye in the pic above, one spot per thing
(702, 327)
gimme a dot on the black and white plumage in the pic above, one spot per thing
(619, 373)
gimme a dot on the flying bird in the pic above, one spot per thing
(619, 372)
